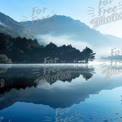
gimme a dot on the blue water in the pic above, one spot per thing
(87, 94)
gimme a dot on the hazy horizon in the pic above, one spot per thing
(20, 11)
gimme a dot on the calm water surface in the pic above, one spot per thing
(60, 93)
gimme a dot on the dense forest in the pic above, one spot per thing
(22, 50)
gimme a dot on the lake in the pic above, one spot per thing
(61, 93)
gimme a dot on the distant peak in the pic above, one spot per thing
(51, 45)
(61, 17)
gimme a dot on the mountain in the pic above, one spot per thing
(10, 26)
(61, 30)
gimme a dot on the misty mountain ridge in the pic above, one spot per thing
(60, 30)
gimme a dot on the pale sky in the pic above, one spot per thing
(76, 9)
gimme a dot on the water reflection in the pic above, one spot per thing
(26, 84)
(22, 77)
(61, 88)
(112, 70)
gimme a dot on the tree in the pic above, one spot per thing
(23, 50)
(88, 55)
(5, 59)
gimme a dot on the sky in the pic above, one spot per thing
(77, 9)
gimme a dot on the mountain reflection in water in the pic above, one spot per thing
(59, 87)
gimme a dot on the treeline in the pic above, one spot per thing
(22, 50)
(114, 57)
